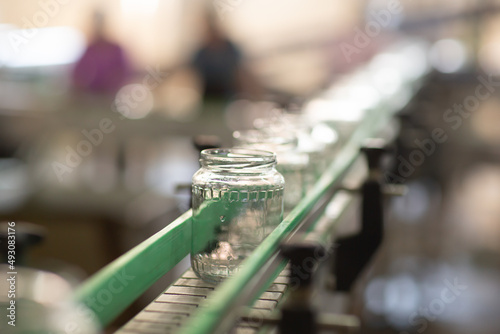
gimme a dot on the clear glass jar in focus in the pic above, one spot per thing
(291, 163)
(237, 202)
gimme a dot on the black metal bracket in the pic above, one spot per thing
(353, 253)
(297, 315)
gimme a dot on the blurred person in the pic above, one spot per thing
(218, 63)
(103, 68)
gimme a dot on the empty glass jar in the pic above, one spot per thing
(301, 128)
(237, 202)
(291, 163)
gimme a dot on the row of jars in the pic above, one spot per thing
(240, 194)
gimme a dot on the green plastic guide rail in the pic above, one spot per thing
(129, 276)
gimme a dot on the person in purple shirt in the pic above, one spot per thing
(103, 68)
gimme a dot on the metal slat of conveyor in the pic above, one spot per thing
(173, 307)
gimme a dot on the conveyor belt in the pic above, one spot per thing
(178, 305)
(173, 307)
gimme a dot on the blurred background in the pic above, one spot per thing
(101, 103)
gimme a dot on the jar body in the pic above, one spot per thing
(234, 209)
(316, 140)
(293, 166)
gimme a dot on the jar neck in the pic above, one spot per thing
(238, 160)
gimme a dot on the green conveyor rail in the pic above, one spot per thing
(111, 290)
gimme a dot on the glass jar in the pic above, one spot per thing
(237, 202)
(291, 163)
(301, 128)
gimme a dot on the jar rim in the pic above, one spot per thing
(237, 157)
